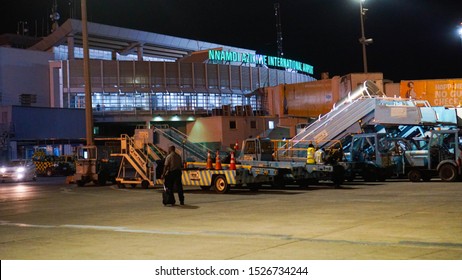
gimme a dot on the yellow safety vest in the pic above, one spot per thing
(310, 155)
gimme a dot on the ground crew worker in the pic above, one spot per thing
(310, 154)
(319, 156)
(172, 174)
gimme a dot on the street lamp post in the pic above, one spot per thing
(364, 42)
(86, 73)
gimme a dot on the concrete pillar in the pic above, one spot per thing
(139, 51)
(70, 46)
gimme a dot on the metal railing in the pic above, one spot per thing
(191, 149)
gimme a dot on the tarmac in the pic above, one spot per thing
(398, 220)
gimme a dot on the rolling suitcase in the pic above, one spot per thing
(168, 197)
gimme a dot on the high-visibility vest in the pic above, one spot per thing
(310, 155)
(319, 156)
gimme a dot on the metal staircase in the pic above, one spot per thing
(338, 122)
(138, 164)
(172, 136)
(366, 106)
(155, 153)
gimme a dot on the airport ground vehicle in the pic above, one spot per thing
(50, 165)
(358, 122)
(261, 162)
(441, 158)
(18, 170)
(91, 168)
(141, 165)
(375, 156)
(351, 152)
(140, 160)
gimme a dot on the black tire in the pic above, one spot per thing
(448, 173)
(120, 185)
(414, 175)
(220, 184)
(145, 184)
(49, 172)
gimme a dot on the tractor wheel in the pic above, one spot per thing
(414, 175)
(448, 173)
(49, 172)
(145, 184)
(220, 184)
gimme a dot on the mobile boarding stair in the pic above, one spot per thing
(139, 156)
(191, 151)
(366, 106)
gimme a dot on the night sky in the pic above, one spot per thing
(413, 39)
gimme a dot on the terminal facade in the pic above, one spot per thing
(146, 79)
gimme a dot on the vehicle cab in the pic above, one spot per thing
(257, 149)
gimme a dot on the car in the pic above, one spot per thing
(50, 165)
(18, 170)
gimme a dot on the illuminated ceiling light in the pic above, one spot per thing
(158, 118)
(175, 118)
(190, 118)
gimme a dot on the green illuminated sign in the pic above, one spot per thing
(271, 61)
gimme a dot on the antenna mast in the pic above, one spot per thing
(277, 13)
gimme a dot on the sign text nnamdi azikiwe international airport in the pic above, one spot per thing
(271, 61)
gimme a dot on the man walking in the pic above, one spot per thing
(172, 176)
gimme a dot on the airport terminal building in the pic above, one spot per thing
(137, 78)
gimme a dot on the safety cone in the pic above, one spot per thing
(209, 161)
(232, 162)
(218, 162)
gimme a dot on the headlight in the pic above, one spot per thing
(20, 169)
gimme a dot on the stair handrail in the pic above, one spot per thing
(201, 147)
(321, 118)
(184, 142)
